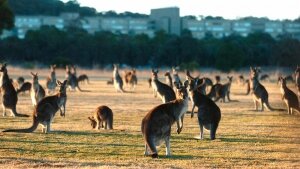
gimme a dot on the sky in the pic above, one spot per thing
(228, 9)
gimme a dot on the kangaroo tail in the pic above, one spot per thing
(35, 124)
(150, 143)
(267, 105)
(19, 114)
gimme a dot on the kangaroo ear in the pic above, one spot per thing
(90, 118)
(32, 73)
(58, 83)
(4, 64)
(65, 82)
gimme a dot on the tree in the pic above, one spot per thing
(6, 16)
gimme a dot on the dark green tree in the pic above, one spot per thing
(6, 16)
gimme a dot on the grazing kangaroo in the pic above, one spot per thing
(222, 91)
(297, 79)
(209, 114)
(289, 97)
(36, 92)
(25, 87)
(264, 77)
(51, 80)
(102, 114)
(110, 82)
(259, 92)
(169, 80)
(83, 78)
(118, 82)
(165, 92)
(156, 125)
(9, 94)
(131, 78)
(46, 109)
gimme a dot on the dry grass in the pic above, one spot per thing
(245, 138)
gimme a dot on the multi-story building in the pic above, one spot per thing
(167, 19)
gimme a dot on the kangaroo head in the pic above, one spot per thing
(167, 73)
(74, 69)
(218, 78)
(3, 68)
(181, 90)
(93, 122)
(154, 74)
(254, 72)
(297, 71)
(191, 84)
(62, 86)
(230, 78)
(52, 68)
(34, 77)
(68, 69)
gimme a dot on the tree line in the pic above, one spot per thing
(75, 46)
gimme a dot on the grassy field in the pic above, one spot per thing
(245, 138)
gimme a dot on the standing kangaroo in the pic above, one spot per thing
(51, 80)
(9, 94)
(209, 114)
(224, 90)
(169, 80)
(72, 78)
(131, 79)
(118, 82)
(176, 77)
(297, 75)
(102, 114)
(165, 92)
(259, 92)
(289, 97)
(46, 109)
(36, 92)
(156, 125)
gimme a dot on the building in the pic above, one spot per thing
(167, 19)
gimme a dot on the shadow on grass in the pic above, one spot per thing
(246, 140)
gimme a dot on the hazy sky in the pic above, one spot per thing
(229, 9)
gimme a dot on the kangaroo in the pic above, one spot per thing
(222, 91)
(20, 82)
(176, 77)
(9, 94)
(169, 80)
(83, 78)
(213, 90)
(289, 97)
(36, 92)
(165, 92)
(209, 114)
(72, 79)
(46, 109)
(131, 78)
(51, 80)
(156, 125)
(203, 82)
(241, 80)
(110, 82)
(259, 92)
(118, 82)
(264, 77)
(26, 86)
(102, 114)
(297, 80)
(248, 89)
